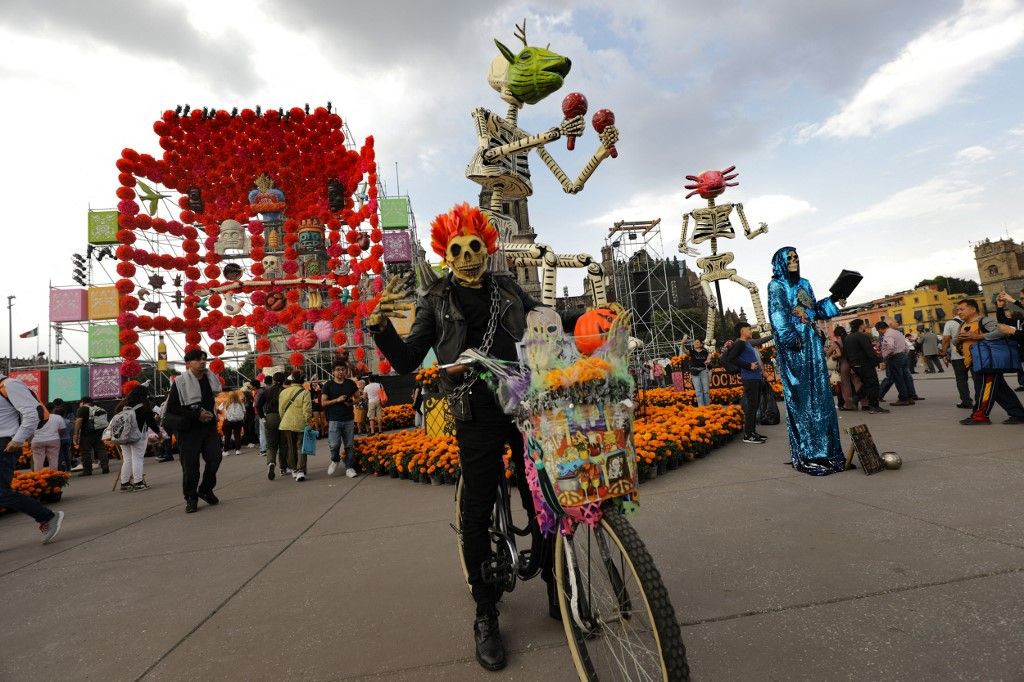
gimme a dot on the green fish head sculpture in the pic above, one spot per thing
(534, 73)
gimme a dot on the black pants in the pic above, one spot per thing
(932, 363)
(481, 446)
(751, 401)
(960, 371)
(90, 446)
(232, 435)
(869, 384)
(16, 501)
(193, 443)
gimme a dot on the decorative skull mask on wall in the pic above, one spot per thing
(272, 268)
(232, 236)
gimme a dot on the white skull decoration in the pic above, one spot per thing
(236, 339)
(272, 267)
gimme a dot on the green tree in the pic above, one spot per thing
(953, 285)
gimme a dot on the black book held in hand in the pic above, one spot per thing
(844, 285)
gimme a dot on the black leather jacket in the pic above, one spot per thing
(439, 324)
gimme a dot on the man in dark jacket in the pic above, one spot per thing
(191, 403)
(469, 308)
(743, 354)
(860, 353)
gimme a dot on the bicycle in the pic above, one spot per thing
(618, 619)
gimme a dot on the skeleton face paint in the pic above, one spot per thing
(793, 262)
(467, 258)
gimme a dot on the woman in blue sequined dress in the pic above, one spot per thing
(813, 427)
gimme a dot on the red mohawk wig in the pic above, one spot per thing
(463, 219)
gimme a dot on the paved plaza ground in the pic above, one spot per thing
(915, 574)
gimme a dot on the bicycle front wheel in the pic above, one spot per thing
(617, 615)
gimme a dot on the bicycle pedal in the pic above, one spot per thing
(495, 570)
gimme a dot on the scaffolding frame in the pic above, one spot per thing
(640, 283)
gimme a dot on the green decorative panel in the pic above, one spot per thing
(69, 383)
(102, 227)
(394, 213)
(103, 341)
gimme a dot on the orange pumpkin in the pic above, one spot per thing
(591, 329)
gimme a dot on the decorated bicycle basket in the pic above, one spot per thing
(572, 399)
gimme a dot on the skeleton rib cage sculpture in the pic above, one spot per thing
(711, 224)
(501, 162)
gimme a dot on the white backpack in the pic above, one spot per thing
(235, 412)
(124, 427)
(97, 418)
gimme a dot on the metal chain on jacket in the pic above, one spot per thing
(485, 344)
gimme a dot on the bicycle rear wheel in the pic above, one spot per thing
(617, 615)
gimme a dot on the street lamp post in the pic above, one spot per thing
(10, 333)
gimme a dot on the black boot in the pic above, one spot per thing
(490, 650)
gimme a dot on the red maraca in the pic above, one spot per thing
(602, 119)
(574, 104)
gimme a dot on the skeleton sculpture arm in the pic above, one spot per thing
(747, 232)
(572, 126)
(683, 238)
(608, 139)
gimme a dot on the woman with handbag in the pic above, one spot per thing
(296, 408)
(700, 360)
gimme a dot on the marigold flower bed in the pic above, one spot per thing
(665, 437)
(46, 484)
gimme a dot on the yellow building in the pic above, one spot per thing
(913, 311)
(923, 309)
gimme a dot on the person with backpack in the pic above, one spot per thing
(19, 420)
(743, 358)
(948, 351)
(376, 399)
(190, 414)
(268, 405)
(989, 387)
(234, 419)
(90, 421)
(128, 429)
(296, 408)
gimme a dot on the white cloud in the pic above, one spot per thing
(927, 202)
(974, 154)
(775, 209)
(930, 71)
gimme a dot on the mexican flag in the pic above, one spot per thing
(29, 334)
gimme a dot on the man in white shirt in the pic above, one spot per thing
(897, 366)
(374, 405)
(949, 333)
(19, 417)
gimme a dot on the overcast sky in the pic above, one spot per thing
(875, 135)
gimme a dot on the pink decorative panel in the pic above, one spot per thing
(69, 305)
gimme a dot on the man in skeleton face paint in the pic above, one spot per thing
(470, 308)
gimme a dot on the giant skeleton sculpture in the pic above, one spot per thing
(711, 224)
(501, 163)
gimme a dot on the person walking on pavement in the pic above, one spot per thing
(743, 354)
(860, 353)
(19, 419)
(46, 443)
(930, 350)
(191, 405)
(337, 400)
(269, 406)
(375, 399)
(296, 408)
(989, 388)
(134, 452)
(90, 421)
(894, 355)
(234, 421)
(259, 405)
(949, 351)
